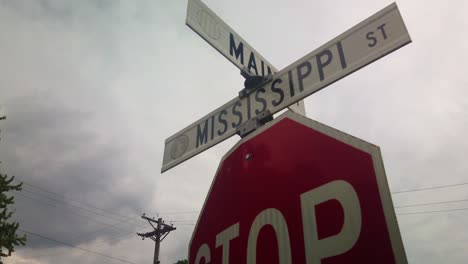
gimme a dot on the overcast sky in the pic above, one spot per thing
(91, 90)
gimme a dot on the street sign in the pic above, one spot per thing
(224, 39)
(375, 37)
(298, 191)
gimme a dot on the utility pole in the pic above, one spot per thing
(160, 232)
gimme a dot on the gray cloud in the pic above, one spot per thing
(52, 147)
(92, 89)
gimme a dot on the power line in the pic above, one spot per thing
(434, 211)
(189, 212)
(72, 246)
(444, 202)
(63, 197)
(100, 229)
(94, 244)
(61, 201)
(430, 188)
(81, 203)
(64, 205)
(93, 232)
(88, 234)
(71, 212)
(397, 192)
(53, 201)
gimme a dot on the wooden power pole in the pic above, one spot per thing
(160, 232)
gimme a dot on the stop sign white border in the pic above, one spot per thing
(373, 150)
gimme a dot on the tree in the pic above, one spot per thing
(8, 237)
(182, 262)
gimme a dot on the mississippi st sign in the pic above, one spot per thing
(298, 191)
(373, 38)
(232, 46)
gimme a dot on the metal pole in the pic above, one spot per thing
(158, 240)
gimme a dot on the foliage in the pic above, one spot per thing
(8, 237)
(182, 262)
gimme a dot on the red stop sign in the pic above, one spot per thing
(297, 191)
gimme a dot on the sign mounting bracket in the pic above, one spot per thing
(254, 123)
(252, 82)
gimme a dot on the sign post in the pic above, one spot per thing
(368, 41)
(297, 191)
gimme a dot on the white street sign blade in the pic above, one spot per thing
(224, 39)
(232, 46)
(361, 45)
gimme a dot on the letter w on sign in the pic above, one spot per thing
(232, 46)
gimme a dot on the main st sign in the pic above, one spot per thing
(232, 46)
(298, 191)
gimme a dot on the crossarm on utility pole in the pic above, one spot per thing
(160, 232)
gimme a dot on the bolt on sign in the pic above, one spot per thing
(368, 41)
(298, 191)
